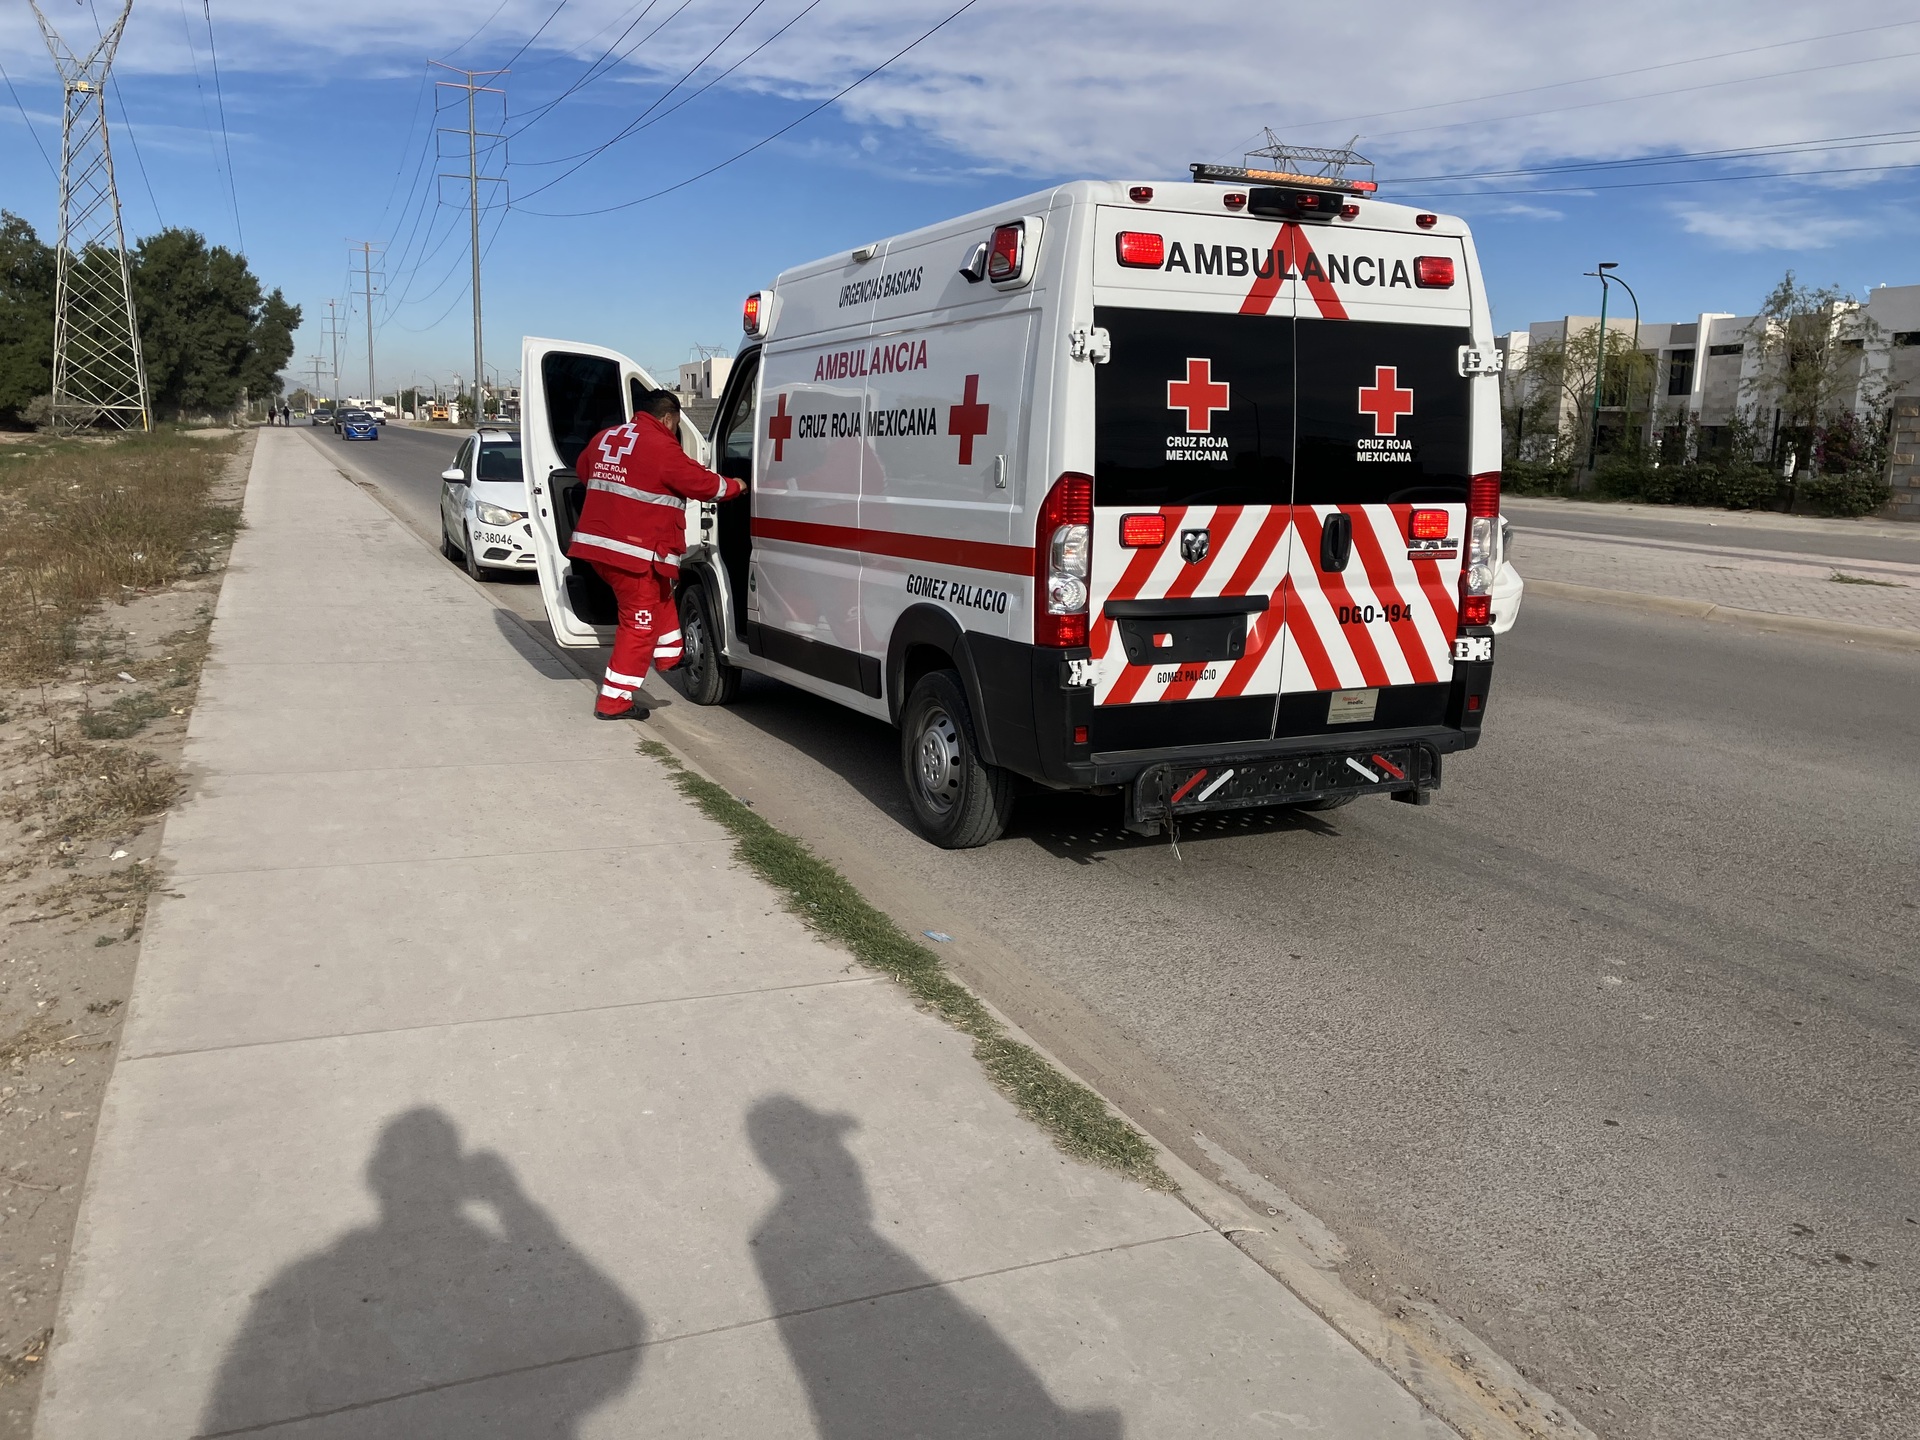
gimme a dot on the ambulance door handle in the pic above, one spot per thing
(1336, 543)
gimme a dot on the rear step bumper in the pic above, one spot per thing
(1406, 769)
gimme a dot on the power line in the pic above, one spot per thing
(1684, 180)
(758, 144)
(640, 123)
(476, 34)
(602, 66)
(1613, 75)
(26, 120)
(226, 141)
(1651, 94)
(1869, 140)
(527, 44)
(140, 161)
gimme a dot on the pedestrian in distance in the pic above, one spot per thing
(632, 530)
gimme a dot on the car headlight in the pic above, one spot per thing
(494, 515)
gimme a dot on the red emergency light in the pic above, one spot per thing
(1427, 525)
(1234, 200)
(1006, 252)
(1433, 272)
(753, 313)
(1140, 194)
(1426, 222)
(1142, 250)
(1143, 532)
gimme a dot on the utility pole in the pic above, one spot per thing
(98, 371)
(366, 249)
(469, 83)
(313, 395)
(333, 337)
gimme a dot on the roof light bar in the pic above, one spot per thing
(1239, 175)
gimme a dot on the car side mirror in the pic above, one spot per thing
(453, 477)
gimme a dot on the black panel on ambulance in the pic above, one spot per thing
(1234, 442)
(1383, 414)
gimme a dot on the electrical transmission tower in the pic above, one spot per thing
(98, 375)
(470, 84)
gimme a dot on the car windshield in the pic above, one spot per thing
(500, 462)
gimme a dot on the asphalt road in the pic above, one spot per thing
(1610, 1052)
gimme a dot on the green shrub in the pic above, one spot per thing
(1537, 477)
(1849, 493)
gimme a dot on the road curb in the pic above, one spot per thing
(1886, 637)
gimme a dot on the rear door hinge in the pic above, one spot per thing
(1090, 343)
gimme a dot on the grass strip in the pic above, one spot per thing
(1077, 1119)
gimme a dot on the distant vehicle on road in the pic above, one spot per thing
(322, 415)
(358, 425)
(438, 413)
(483, 516)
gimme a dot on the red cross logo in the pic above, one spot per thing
(780, 428)
(1385, 401)
(627, 436)
(968, 419)
(1199, 395)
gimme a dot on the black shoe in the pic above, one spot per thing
(632, 712)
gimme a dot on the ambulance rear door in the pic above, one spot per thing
(1381, 472)
(570, 392)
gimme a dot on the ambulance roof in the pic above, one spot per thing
(1171, 197)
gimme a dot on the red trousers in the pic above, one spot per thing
(649, 632)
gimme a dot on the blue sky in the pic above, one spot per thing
(329, 124)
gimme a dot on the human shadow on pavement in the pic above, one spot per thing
(431, 1324)
(885, 1350)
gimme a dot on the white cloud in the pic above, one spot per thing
(1751, 226)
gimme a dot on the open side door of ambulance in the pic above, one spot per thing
(570, 392)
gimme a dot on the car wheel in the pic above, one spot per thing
(959, 801)
(473, 558)
(708, 679)
(447, 548)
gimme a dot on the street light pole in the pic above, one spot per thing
(1600, 363)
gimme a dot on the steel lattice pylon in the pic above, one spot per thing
(98, 375)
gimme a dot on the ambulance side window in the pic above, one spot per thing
(736, 436)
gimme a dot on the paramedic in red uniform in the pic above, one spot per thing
(632, 529)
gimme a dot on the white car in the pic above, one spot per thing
(482, 520)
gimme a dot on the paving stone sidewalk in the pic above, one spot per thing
(1880, 593)
(470, 1090)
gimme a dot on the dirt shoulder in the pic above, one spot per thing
(109, 572)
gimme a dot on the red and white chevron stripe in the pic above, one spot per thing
(1300, 642)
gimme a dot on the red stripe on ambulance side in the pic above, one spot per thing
(934, 549)
(1334, 587)
(1380, 575)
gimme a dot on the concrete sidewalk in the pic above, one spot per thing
(1880, 594)
(469, 1090)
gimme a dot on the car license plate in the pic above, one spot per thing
(494, 537)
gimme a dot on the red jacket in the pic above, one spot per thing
(638, 483)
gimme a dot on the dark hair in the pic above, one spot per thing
(663, 405)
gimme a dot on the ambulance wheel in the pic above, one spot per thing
(709, 680)
(1326, 802)
(958, 799)
(473, 559)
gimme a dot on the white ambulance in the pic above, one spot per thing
(1182, 492)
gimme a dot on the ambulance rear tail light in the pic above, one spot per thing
(1427, 525)
(753, 316)
(1142, 250)
(1143, 532)
(1007, 252)
(1476, 576)
(1062, 562)
(1433, 272)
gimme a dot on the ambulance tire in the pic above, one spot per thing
(959, 801)
(708, 679)
(1325, 802)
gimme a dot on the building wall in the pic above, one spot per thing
(1905, 470)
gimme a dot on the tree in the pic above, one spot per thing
(1553, 412)
(1812, 347)
(26, 318)
(205, 330)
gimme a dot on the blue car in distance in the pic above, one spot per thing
(358, 425)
